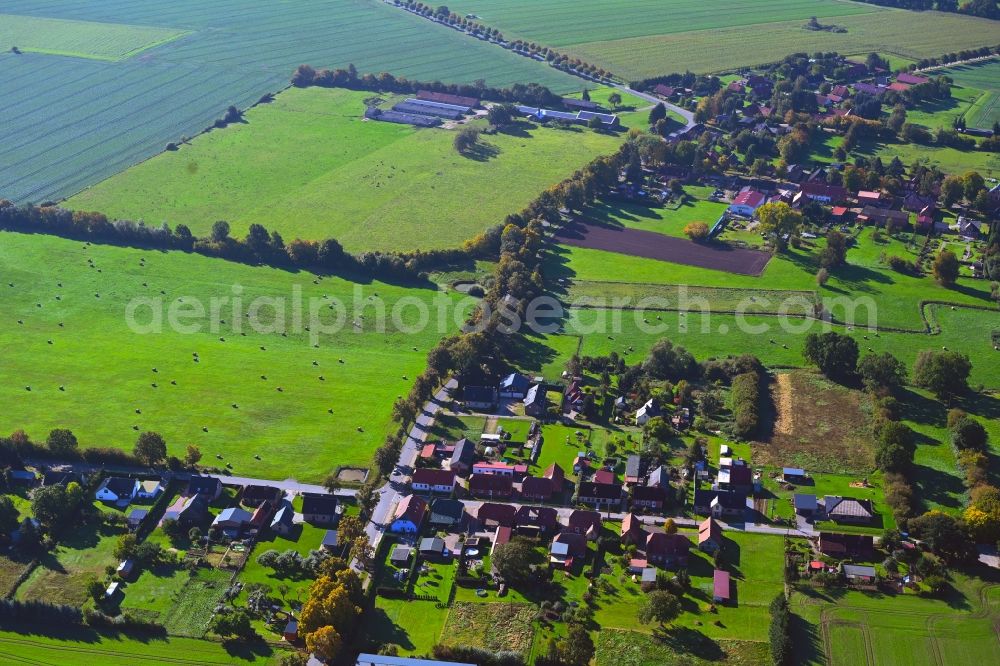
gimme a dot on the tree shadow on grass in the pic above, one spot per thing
(518, 128)
(481, 152)
(685, 640)
(252, 650)
(807, 640)
(937, 487)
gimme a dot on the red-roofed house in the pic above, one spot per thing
(428, 451)
(493, 468)
(605, 476)
(556, 476)
(491, 485)
(632, 531)
(430, 480)
(490, 515)
(566, 548)
(664, 91)
(899, 87)
(409, 515)
(585, 522)
(747, 202)
(819, 191)
(868, 198)
(652, 498)
(667, 549)
(536, 489)
(541, 518)
(709, 536)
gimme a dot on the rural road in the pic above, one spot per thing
(684, 113)
(395, 488)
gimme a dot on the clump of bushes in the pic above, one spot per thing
(745, 401)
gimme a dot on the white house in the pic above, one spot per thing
(646, 412)
(433, 480)
(409, 515)
(117, 489)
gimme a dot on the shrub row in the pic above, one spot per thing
(745, 400)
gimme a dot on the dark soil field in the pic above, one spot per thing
(651, 245)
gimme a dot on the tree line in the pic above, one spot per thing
(532, 93)
(259, 246)
(981, 8)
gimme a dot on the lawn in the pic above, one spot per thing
(898, 629)
(669, 220)
(94, 118)
(62, 574)
(393, 187)
(319, 407)
(80, 39)
(415, 626)
(618, 647)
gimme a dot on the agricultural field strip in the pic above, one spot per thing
(983, 77)
(561, 23)
(81, 39)
(234, 54)
(720, 299)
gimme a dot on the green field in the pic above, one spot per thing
(646, 38)
(309, 165)
(92, 119)
(83, 647)
(840, 627)
(984, 79)
(220, 403)
(669, 220)
(81, 39)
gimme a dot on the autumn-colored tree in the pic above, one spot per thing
(696, 231)
(325, 643)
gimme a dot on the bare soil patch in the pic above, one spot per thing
(352, 474)
(651, 245)
(819, 426)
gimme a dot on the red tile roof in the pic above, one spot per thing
(720, 585)
(434, 477)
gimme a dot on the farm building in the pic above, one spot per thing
(330, 540)
(479, 397)
(633, 469)
(400, 555)
(431, 548)
(514, 385)
(135, 518)
(880, 216)
(805, 504)
(445, 98)
(608, 121)
(375, 113)
(463, 457)
(793, 475)
(709, 536)
(857, 573)
(580, 104)
(365, 659)
(747, 202)
(446, 512)
(426, 109)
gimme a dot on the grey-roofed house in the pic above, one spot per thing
(847, 509)
(463, 457)
(535, 402)
(282, 522)
(209, 486)
(859, 573)
(400, 555)
(581, 104)
(135, 518)
(232, 519)
(431, 547)
(514, 385)
(330, 540)
(659, 478)
(446, 512)
(319, 508)
(187, 510)
(804, 504)
(633, 469)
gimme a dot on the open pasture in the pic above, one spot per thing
(74, 362)
(984, 79)
(309, 165)
(92, 119)
(81, 39)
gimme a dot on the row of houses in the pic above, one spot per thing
(513, 387)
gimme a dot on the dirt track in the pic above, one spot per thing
(651, 245)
